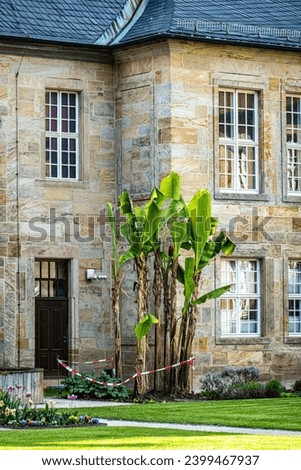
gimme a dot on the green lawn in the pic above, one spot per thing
(133, 438)
(268, 413)
(260, 413)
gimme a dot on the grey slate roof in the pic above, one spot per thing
(263, 22)
(66, 21)
(267, 23)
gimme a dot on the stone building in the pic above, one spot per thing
(101, 96)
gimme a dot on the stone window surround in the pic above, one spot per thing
(63, 115)
(76, 86)
(244, 340)
(236, 134)
(291, 88)
(252, 83)
(267, 304)
(235, 296)
(288, 256)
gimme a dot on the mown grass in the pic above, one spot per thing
(266, 414)
(135, 438)
(260, 413)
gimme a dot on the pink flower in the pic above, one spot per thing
(72, 397)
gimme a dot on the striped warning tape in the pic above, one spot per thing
(190, 361)
(109, 359)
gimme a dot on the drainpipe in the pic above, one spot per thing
(18, 253)
(18, 19)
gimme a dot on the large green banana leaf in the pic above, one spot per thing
(200, 221)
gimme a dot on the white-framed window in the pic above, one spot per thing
(240, 307)
(293, 142)
(62, 135)
(294, 297)
(238, 141)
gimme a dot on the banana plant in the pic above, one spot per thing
(142, 230)
(117, 265)
(201, 227)
(191, 234)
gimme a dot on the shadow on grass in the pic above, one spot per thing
(135, 438)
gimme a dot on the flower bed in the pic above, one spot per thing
(15, 414)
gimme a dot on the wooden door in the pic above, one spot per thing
(51, 323)
(51, 335)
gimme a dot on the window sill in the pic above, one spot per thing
(292, 339)
(241, 196)
(62, 183)
(291, 198)
(241, 340)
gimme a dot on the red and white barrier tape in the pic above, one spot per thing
(137, 374)
(109, 359)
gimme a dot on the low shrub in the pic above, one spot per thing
(243, 382)
(90, 387)
(274, 389)
(230, 382)
(242, 390)
(297, 387)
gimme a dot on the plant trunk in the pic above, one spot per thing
(186, 337)
(117, 329)
(141, 383)
(167, 320)
(174, 357)
(188, 333)
(157, 290)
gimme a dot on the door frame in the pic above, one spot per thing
(48, 289)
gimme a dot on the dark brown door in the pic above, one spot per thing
(51, 335)
(51, 316)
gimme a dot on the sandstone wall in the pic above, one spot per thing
(168, 121)
(42, 218)
(150, 112)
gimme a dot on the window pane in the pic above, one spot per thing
(228, 274)
(72, 172)
(240, 306)
(238, 116)
(61, 270)
(227, 166)
(51, 290)
(294, 301)
(51, 279)
(293, 119)
(37, 291)
(228, 316)
(44, 271)
(52, 270)
(44, 288)
(293, 138)
(72, 145)
(294, 169)
(64, 158)
(226, 115)
(37, 266)
(65, 173)
(295, 277)
(53, 171)
(60, 122)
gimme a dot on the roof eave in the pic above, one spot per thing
(210, 39)
(55, 49)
